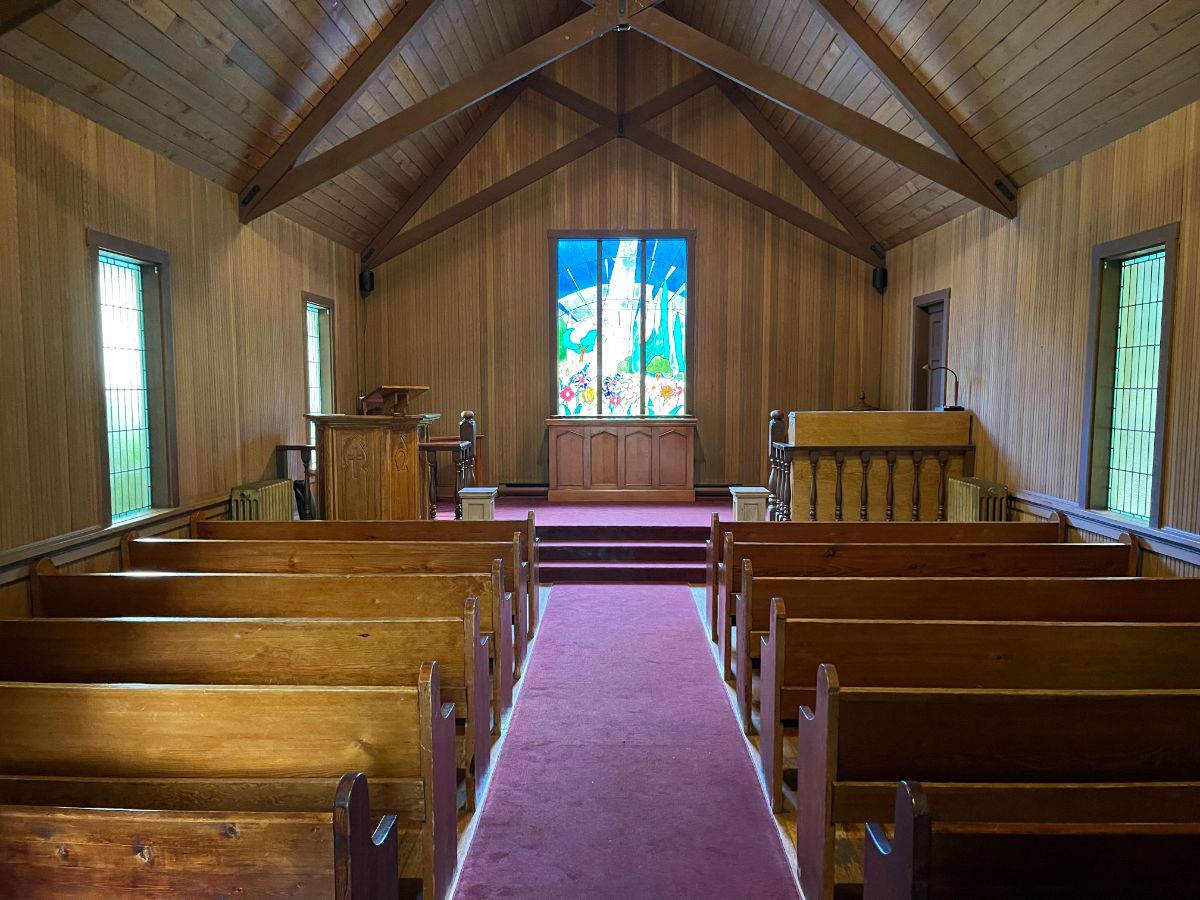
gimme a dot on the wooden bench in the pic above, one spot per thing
(948, 654)
(929, 859)
(47, 853)
(977, 599)
(334, 652)
(989, 756)
(300, 530)
(240, 749)
(1047, 532)
(230, 595)
(893, 560)
(339, 558)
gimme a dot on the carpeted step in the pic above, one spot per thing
(622, 534)
(640, 573)
(601, 551)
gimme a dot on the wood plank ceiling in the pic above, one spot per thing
(218, 85)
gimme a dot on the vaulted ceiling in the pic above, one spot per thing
(1012, 88)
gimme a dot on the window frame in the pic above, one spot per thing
(689, 340)
(330, 365)
(1102, 321)
(160, 373)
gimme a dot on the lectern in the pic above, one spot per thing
(370, 466)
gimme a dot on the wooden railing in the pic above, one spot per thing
(462, 454)
(783, 456)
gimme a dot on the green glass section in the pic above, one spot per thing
(123, 340)
(1135, 385)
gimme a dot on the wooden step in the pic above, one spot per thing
(622, 534)
(605, 552)
(644, 573)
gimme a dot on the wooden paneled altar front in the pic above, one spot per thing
(615, 460)
(370, 467)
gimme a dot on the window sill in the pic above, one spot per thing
(1172, 542)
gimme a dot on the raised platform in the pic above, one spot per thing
(631, 554)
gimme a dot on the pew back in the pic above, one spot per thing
(497, 531)
(865, 533)
(48, 853)
(992, 750)
(1046, 860)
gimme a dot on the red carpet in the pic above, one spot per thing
(624, 773)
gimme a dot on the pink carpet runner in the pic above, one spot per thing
(624, 773)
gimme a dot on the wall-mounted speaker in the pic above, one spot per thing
(879, 279)
(366, 283)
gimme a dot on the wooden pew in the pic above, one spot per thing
(954, 599)
(894, 560)
(334, 652)
(929, 859)
(48, 853)
(948, 654)
(239, 749)
(989, 756)
(339, 558)
(1047, 532)
(233, 595)
(441, 530)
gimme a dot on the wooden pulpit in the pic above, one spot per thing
(370, 467)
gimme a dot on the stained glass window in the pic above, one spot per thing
(622, 326)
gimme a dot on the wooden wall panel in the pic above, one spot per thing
(236, 302)
(469, 312)
(1019, 309)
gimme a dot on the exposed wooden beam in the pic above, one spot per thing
(804, 101)
(796, 163)
(16, 12)
(345, 91)
(493, 194)
(670, 98)
(680, 156)
(749, 192)
(916, 98)
(442, 170)
(493, 77)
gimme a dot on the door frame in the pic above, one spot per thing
(920, 305)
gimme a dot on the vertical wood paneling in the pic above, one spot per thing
(469, 312)
(236, 302)
(1019, 309)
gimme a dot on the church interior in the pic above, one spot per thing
(603, 449)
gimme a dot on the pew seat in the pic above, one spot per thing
(1046, 532)
(54, 852)
(438, 530)
(928, 858)
(990, 756)
(335, 652)
(951, 599)
(234, 595)
(240, 748)
(948, 654)
(896, 560)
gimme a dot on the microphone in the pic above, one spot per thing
(955, 407)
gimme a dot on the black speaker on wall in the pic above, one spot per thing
(366, 283)
(879, 279)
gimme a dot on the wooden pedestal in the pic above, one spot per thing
(604, 460)
(369, 467)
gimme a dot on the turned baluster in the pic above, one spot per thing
(814, 460)
(433, 475)
(839, 460)
(864, 492)
(468, 431)
(785, 487)
(943, 462)
(891, 485)
(917, 457)
(772, 482)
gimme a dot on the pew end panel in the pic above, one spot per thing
(771, 732)
(438, 773)
(816, 772)
(533, 562)
(711, 574)
(366, 859)
(730, 582)
(744, 671)
(897, 869)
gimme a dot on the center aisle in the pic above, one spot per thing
(624, 773)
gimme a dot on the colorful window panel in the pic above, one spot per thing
(666, 327)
